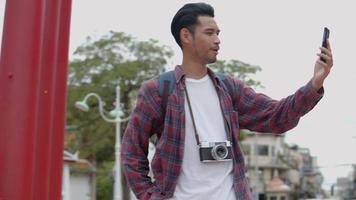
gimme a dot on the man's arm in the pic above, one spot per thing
(135, 142)
(260, 113)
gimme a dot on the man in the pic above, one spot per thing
(202, 113)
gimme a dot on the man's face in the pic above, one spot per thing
(205, 40)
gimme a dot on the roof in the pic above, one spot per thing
(76, 164)
(277, 185)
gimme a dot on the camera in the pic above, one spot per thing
(215, 151)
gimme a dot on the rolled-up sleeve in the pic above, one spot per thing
(258, 112)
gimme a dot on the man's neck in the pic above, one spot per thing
(194, 70)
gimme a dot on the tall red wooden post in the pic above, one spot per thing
(33, 76)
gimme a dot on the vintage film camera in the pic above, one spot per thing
(215, 151)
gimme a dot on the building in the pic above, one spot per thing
(279, 171)
(311, 178)
(79, 178)
(264, 168)
(276, 189)
(346, 186)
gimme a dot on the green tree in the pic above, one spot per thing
(238, 69)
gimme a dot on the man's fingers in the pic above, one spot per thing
(327, 52)
(328, 60)
(328, 44)
(321, 62)
(326, 57)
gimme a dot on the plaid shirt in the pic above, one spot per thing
(244, 109)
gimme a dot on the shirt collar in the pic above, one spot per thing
(180, 75)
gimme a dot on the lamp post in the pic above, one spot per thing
(257, 178)
(82, 105)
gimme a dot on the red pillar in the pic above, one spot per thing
(33, 76)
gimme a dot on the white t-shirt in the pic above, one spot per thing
(198, 180)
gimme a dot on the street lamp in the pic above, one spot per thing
(82, 105)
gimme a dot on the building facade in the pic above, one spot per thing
(79, 178)
(278, 171)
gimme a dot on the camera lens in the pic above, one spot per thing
(219, 152)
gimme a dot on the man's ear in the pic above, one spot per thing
(185, 36)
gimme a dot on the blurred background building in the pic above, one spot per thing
(79, 178)
(278, 171)
(345, 187)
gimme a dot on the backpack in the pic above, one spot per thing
(166, 82)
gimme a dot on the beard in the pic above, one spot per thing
(211, 60)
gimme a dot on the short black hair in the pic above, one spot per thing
(187, 17)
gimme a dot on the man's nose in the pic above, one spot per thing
(217, 40)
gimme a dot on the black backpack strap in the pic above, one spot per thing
(166, 87)
(225, 82)
(166, 77)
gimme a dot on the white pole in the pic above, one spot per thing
(117, 181)
(257, 177)
(66, 182)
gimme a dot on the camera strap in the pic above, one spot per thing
(192, 116)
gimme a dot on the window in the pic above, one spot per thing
(273, 151)
(283, 198)
(246, 149)
(272, 198)
(262, 150)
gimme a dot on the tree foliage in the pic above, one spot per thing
(238, 69)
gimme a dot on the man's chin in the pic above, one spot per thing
(210, 61)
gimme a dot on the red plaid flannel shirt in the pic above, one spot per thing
(244, 109)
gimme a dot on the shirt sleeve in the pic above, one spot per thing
(258, 112)
(134, 148)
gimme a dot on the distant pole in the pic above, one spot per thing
(117, 183)
(66, 182)
(256, 167)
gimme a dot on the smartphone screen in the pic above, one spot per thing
(325, 37)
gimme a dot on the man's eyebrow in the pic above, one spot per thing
(213, 29)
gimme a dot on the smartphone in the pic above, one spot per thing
(324, 42)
